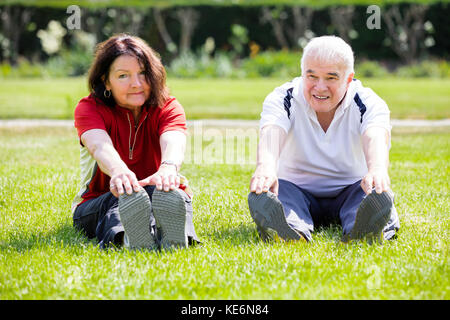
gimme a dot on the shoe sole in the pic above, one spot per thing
(134, 212)
(268, 214)
(169, 209)
(372, 215)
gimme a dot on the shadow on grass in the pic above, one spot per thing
(246, 233)
(64, 236)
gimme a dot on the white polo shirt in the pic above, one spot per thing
(323, 163)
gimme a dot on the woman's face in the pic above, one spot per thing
(128, 83)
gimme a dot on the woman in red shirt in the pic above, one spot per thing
(133, 137)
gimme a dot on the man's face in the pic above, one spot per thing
(325, 85)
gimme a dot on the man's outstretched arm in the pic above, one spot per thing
(376, 150)
(271, 141)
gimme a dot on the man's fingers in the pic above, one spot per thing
(260, 184)
(253, 184)
(267, 184)
(274, 188)
(367, 183)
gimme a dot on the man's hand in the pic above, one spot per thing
(264, 179)
(166, 178)
(377, 178)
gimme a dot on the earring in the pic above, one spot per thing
(107, 93)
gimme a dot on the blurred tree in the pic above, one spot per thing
(406, 29)
(341, 18)
(13, 19)
(289, 32)
(187, 18)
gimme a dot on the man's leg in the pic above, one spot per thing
(287, 215)
(298, 206)
(351, 199)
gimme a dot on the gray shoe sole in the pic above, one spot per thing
(169, 209)
(134, 212)
(372, 215)
(268, 214)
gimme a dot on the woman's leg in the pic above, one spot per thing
(99, 218)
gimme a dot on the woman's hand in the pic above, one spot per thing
(166, 178)
(123, 181)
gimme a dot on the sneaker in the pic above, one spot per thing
(169, 210)
(372, 215)
(134, 212)
(268, 214)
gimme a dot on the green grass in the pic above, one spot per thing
(43, 257)
(217, 98)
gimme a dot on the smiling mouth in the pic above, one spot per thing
(320, 97)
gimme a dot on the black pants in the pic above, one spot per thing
(99, 218)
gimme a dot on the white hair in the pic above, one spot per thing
(329, 49)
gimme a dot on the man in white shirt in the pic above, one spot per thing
(323, 154)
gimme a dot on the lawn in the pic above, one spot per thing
(217, 98)
(43, 257)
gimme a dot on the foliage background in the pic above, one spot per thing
(228, 38)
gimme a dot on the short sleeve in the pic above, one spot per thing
(172, 117)
(276, 109)
(87, 116)
(377, 113)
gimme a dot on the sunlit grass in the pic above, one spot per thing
(43, 257)
(217, 98)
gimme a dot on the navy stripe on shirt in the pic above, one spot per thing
(287, 102)
(361, 105)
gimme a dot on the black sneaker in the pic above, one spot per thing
(268, 214)
(372, 215)
(134, 212)
(169, 210)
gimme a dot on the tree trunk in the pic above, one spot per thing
(277, 26)
(188, 19)
(161, 26)
(302, 22)
(341, 18)
(14, 20)
(406, 31)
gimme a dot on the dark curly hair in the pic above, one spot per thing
(124, 44)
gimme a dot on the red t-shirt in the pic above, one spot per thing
(137, 144)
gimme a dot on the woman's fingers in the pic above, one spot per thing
(165, 179)
(123, 182)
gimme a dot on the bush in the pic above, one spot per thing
(190, 65)
(370, 69)
(24, 69)
(425, 69)
(68, 63)
(273, 64)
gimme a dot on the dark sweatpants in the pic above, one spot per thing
(303, 211)
(99, 218)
